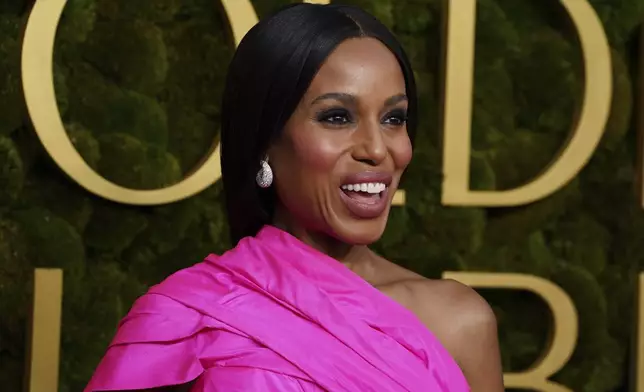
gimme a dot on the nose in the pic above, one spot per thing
(370, 146)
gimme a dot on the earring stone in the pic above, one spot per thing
(264, 176)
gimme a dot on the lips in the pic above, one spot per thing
(365, 194)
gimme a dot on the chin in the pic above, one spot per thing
(361, 231)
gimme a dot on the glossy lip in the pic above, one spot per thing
(367, 210)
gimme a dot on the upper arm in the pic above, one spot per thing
(466, 326)
(474, 339)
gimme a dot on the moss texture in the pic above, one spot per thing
(138, 87)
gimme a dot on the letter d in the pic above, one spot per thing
(458, 109)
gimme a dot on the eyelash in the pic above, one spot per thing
(331, 117)
(340, 117)
(400, 115)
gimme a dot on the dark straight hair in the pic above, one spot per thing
(269, 73)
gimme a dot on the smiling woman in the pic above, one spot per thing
(347, 130)
(318, 118)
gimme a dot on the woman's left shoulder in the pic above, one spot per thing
(466, 326)
(460, 304)
(454, 312)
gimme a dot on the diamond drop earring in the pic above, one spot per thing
(264, 176)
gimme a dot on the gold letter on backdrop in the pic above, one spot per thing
(564, 331)
(639, 102)
(44, 358)
(241, 16)
(38, 84)
(458, 109)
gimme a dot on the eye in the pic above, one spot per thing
(336, 117)
(396, 118)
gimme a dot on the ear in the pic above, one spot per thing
(272, 152)
(279, 147)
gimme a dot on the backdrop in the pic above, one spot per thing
(138, 86)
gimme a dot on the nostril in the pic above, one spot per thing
(369, 162)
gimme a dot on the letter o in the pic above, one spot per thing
(40, 97)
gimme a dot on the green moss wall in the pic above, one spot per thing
(138, 85)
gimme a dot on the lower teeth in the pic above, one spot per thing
(364, 194)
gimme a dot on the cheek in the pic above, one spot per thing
(401, 151)
(318, 153)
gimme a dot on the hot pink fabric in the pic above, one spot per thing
(273, 314)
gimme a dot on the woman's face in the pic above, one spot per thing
(342, 152)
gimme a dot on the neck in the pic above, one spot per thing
(355, 257)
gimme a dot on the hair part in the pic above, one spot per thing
(269, 74)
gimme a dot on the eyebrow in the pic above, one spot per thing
(349, 99)
(391, 101)
(345, 98)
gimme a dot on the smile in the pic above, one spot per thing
(365, 194)
(371, 188)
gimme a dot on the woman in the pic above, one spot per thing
(318, 116)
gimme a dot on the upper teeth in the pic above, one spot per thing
(371, 187)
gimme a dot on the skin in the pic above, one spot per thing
(352, 119)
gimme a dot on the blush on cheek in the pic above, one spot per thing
(317, 153)
(402, 152)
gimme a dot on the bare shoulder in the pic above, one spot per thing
(465, 324)
(456, 303)
(460, 319)
(450, 299)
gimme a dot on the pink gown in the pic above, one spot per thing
(273, 314)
